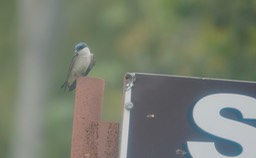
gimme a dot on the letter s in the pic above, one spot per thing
(206, 115)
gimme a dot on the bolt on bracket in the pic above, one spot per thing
(130, 78)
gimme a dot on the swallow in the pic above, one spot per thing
(81, 64)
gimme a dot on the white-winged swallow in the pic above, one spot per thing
(82, 62)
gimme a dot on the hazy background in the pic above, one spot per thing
(204, 38)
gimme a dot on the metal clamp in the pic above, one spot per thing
(130, 78)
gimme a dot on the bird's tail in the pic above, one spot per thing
(64, 85)
(69, 87)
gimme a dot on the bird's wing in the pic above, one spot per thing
(92, 63)
(65, 84)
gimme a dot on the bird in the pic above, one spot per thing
(82, 63)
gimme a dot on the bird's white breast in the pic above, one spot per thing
(82, 62)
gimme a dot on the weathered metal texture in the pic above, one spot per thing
(92, 138)
(108, 140)
(102, 140)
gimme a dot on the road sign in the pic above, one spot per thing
(183, 117)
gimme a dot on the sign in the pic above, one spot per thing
(181, 117)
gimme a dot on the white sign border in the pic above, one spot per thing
(125, 125)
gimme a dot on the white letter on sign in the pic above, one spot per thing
(206, 115)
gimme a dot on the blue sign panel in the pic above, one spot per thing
(181, 117)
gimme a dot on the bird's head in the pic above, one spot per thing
(81, 46)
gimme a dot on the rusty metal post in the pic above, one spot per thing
(108, 140)
(88, 105)
(92, 138)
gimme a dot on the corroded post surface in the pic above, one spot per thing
(92, 138)
(88, 105)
